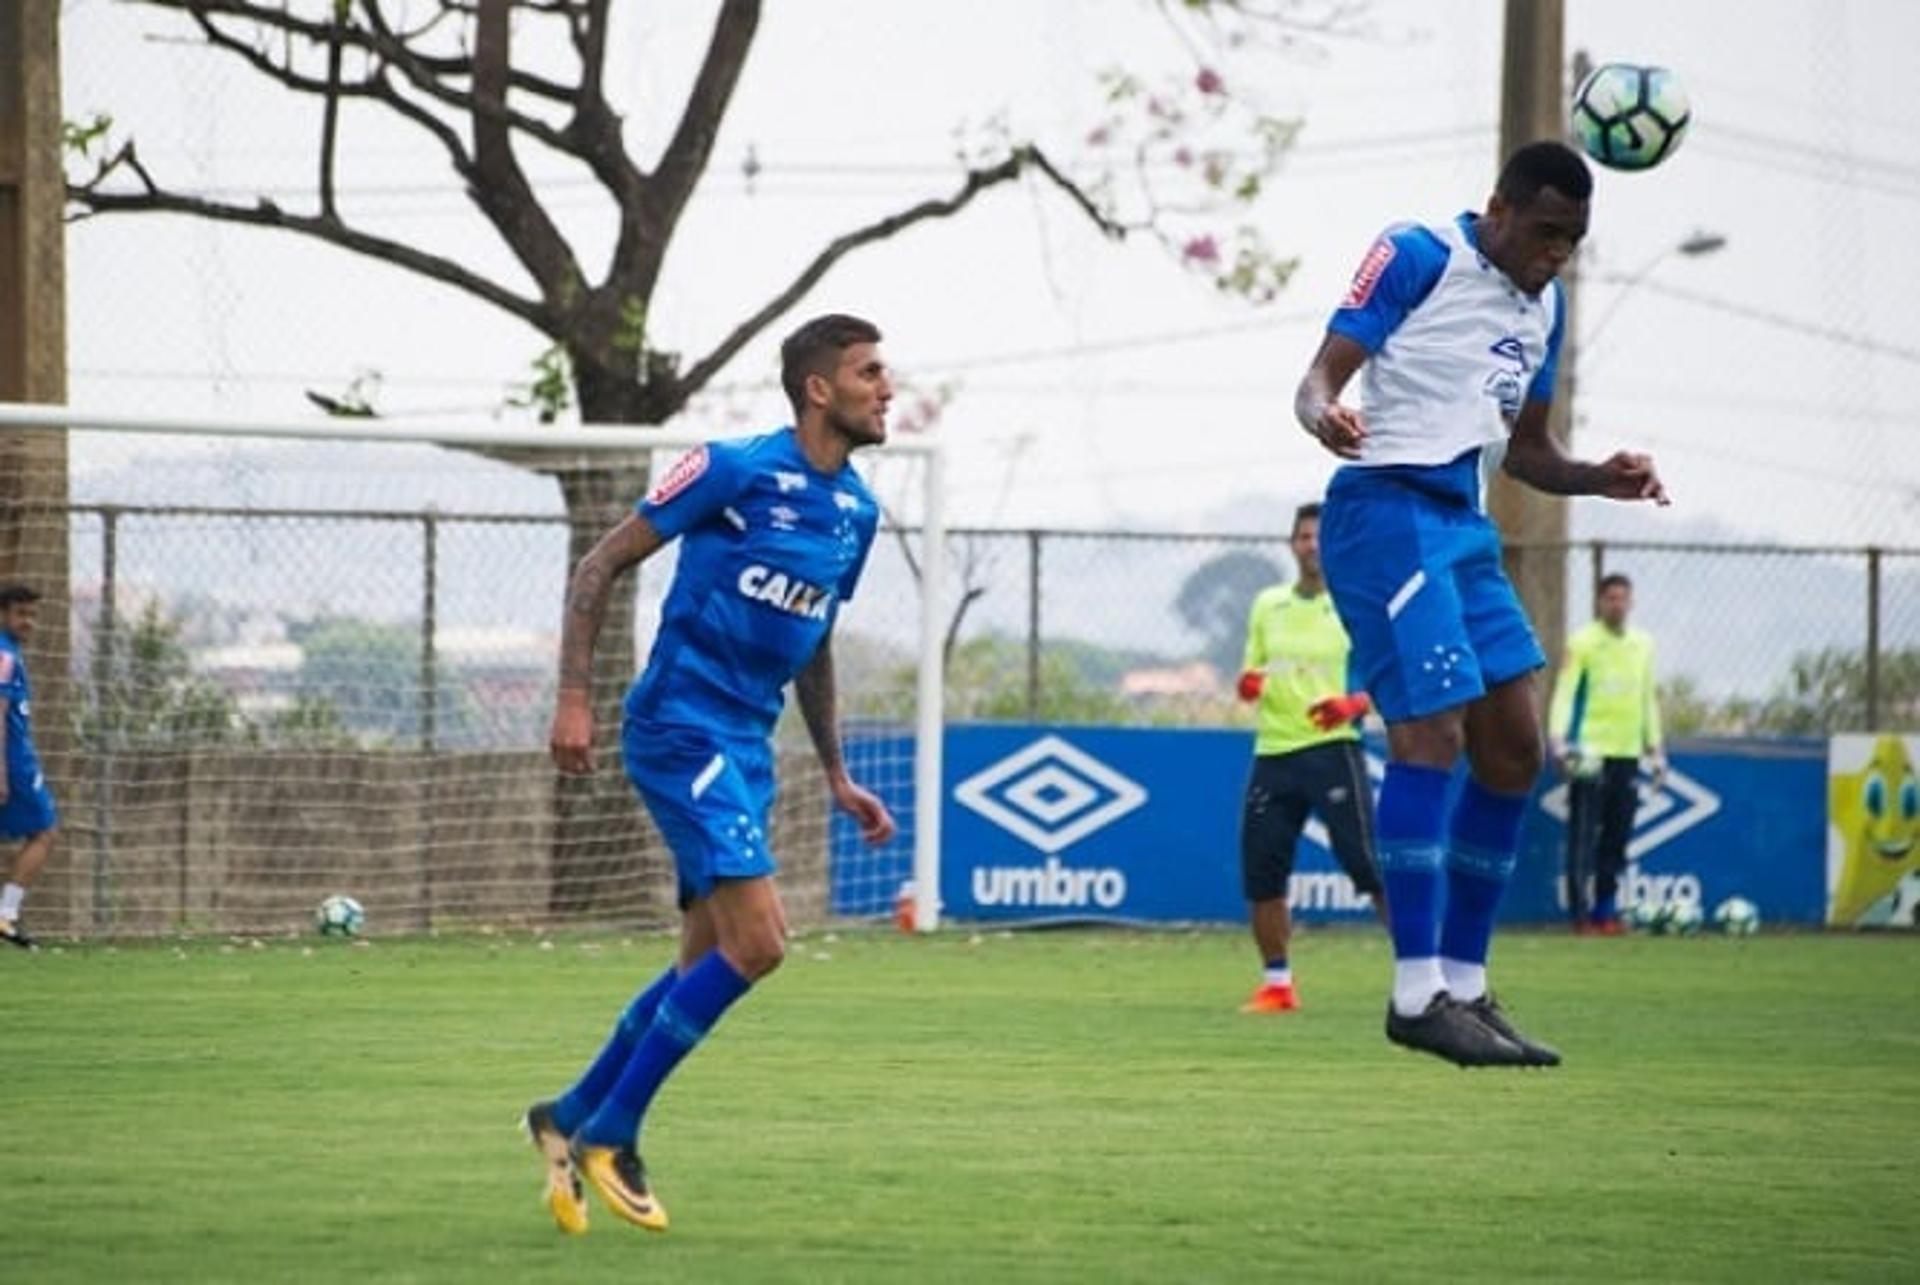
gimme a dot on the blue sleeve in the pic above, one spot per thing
(12, 676)
(699, 485)
(1397, 275)
(1541, 389)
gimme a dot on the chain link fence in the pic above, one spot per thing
(1129, 627)
(268, 704)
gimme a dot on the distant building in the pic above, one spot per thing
(1197, 679)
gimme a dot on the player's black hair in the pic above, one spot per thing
(1304, 512)
(14, 594)
(815, 348)
(1541, 165)
(1612, 580)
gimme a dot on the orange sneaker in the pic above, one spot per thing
(1272, 998)
(1611, 926)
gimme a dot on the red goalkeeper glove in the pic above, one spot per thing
(1250, 684)
(1337, 710)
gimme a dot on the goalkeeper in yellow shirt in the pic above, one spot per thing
(1605, 718)
(1306, 756)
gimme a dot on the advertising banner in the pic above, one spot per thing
(1143, 824)
(1873, 822)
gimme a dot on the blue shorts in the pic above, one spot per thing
(709, 795)
(1414, 568)
(29, 809)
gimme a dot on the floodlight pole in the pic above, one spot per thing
(1533, 98)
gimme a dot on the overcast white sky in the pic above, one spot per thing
(1802, 156)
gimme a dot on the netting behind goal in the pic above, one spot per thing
(275, 668)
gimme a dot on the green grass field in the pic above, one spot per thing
(1062, 1106)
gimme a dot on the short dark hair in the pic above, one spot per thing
(1613, 580)
(1303, 513)
(12, 595)
(1542, 165)
(815, 347)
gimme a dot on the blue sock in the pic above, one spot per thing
(1412, 822)
(572, 1108)
(1607, 907)
(1481, 852)
(684, 1017)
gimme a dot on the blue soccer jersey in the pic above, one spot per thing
(29, 806)
(1455, 349)
(769, 550)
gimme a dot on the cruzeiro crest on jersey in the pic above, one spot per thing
(1507, 383)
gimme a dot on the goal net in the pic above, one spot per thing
(277, 661)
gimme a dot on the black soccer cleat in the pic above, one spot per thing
(1448, 1029)
(1487, 1009)
(13, 934)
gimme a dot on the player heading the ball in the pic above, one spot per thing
(1455, 328)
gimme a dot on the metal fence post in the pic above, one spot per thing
(1873, 638)
(1033, 626)
(106, 721)
(1598, 551)
(429, 610)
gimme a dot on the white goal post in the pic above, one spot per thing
(917, 546)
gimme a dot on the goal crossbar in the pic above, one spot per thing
(930, 685)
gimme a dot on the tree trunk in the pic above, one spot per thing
(33, 368)
(608, 861)
(605, 862)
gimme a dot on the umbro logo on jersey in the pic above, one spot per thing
(783, 518)
(850, 503)
(1511, 349)
(790, 481)
(789, 594)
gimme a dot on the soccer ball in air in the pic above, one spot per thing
(1684, 918)
(339, 916)
(1737, 917)
(1629, 117)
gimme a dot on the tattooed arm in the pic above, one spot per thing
(631, 542)
(814, 687)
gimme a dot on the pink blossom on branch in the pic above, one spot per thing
(1208, 82)
(1201, 249)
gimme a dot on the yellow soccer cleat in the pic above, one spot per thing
(564, 1197)
(621, 1179)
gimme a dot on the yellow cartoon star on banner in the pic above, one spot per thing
(1877, 814)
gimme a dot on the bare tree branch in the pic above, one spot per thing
(266, 214)
(589, 31)
(501, 189)
(330, 127)
(977, 181)
(425, 74)
(685, 157)
(449, 137)
(461, 65)
(379, 41)
(595, 129)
